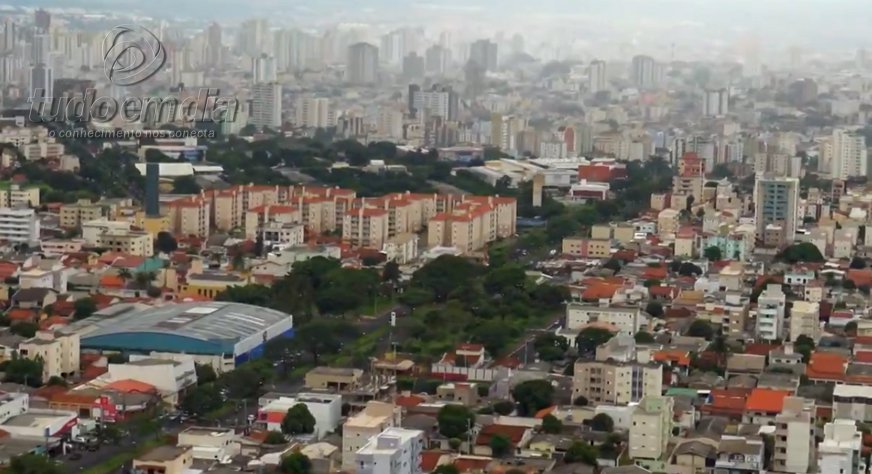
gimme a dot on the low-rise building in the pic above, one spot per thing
(219, 444)
(337, 379)
(326, 408)
(627, 320)
(393, 451)
(360, 428)
(165, 460)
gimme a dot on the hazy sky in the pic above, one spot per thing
(823, 24)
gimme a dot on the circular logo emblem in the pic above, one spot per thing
(131, 54)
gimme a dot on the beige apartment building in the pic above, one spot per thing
(133, 242)
(651, 428)
(189, 216)
(586, 248)
(667, 222)
(17, 196)
(73, 215)
(366, 227)
(58, 350)
(616, 383)
(358, 429)
(471, 223)
(805, 320)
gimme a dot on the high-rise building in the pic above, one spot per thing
(10, 35)
(42, 20)
(266, 105)
(393, 451)
(413, 66)
(362, 64)
(263, 69)
(39, 49)
(596, 80)
(484, 53)
(438, 101)
(19, 225)
(645, 72)
(152, 189)
(214, 48)
(437, 59)
(847, 155)
(41, 82)
(314, 112)
(715, 102)
(776, 200)
(252, 39)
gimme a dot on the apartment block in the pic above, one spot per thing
(17, 196)
(366, 227)
(616, 383)
(358, 429)
(263, 216)
(853, 402)
(770, 313)
(651, 427)
(58, 350)
(586, 248)
(19, 225)
(472, 223)
(189, 216)
(805, 320)
(393, 451)
(73, 215)
(794, 436)
(627, 320)
(841, 449)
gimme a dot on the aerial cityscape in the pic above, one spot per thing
(479, 237)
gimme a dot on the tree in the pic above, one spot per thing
(580, 401)
(33, 464)
(655, 309)
(415, 297)
(125, 275)
(296, 463)
(493, 335)
(275, 437)
(55, 381)
(445, 274)
(602, 422)
(143, 279)
(454, 420)
(613, 264)
(24, 371)
(643, 337)
(165, 242)
(501, 279)
(579, 451)
(391, 272)
(590, 338)
(550, 346)
(804, 345)
(24, 329)
(700, 328)
(848, 284)
(801, 252)
(500, 446)
(202, 400)
(532, 396)
(689, 269)
(83, 308)
(504, 407)
(851, 328)
(186, 185)
(298, 420)
(205, 374)
(551, 424)
(257, 295)
(712, 254)
(245, 381)
(322, 337)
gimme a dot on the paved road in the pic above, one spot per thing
(526, 346)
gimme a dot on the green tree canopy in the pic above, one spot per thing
(643, 337)
(551, 424)
(700, 328)
(500, 446)
(602, 422)
(34, 464)
(23, 371)
(446, 274)
(296, 463)
(581, 452)
(186, 185)
(455, 420)
(165, 242)
(298, 420)
(532, 396)
(323, 337)
(83, 307)
(589, 339)
(801, 252)
(550, 346)
(712, 253)
(205, 374)
(655, 309)
(504, 407)
(202, 399)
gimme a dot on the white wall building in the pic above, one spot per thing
(627, 320)
(770, 313)
(13, 404)
(651, 428)
(326, 408)
(715, 102)
(849, 155)
(266, 105)
(393, 451)
(219, 444)
(841, 448)
(19, 226)
(315, 112)
(169, 377)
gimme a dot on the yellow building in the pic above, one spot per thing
(586, 248)
(133, 242)
(667, 223)
(73, 215)
(208, 284)
(189, 216)
(58, 350)
(16, 196)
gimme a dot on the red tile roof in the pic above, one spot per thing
(766, 400)
(21, 314)
(826, 366)
(130, 386)
(544, 412)
(515, 434)
(409, 401)
(430, 460)
(760, 348)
